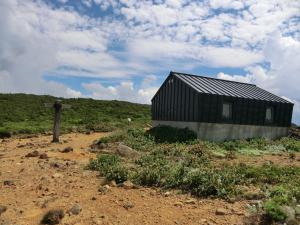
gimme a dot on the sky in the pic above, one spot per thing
(124, 49)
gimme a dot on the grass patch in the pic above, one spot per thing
(23, 113)
(110, 166)
(187, 165)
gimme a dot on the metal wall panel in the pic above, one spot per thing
(179, 101)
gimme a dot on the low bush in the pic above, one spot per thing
(5, 134)
(274, 211)
(171, 134)
(291, 144)
(110, 167)
(187, 166)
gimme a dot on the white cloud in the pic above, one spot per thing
(142, 37)
(202, 55)
(126, 90)
(283, 54)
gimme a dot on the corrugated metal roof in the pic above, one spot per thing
(216, 86)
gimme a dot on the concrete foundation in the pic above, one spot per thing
(221, 132)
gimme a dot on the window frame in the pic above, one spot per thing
(271, 121)
(230, 118)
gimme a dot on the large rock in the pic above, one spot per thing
(53, 217)
(221, 211)
(43, 156)
(67, 149)
(2, 209)
(128, 184)
(8, 183)
(126, 151)
(76, 209)
(32, 154)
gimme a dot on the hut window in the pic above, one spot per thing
(269, 114)
(227, 110)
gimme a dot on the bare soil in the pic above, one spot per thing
(30, 187)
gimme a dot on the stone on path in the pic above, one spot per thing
(76, 209)
(2, 209)
(126, 151)
(67, 149)
(220, 211)
(32, 154)
(53, 217)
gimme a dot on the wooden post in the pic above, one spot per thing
(56, 129)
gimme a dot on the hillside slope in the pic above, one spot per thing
(23, 113)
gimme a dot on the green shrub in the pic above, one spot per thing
(152, 169)
(211, 182)
(5, 134)
(269, 174)
(28, 114)
(110, 167)
(232, 145)
(273, 210)
(114, 137)
(171, 134)
(291, 144)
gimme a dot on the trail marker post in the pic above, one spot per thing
(58, 106)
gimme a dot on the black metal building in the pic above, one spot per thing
(191, 98)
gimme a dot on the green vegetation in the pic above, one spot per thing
(169, 157)
(191, 166)
(22, 113)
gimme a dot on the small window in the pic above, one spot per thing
(269, 114)
(227, 111)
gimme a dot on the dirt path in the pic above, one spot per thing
(30, 186)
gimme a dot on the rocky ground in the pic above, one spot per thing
(37, 176)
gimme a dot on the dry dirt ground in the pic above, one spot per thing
(30, 186)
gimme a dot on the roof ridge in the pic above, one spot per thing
(213, 78)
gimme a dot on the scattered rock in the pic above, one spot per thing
(203, 220)
(190, 201)
(43, 156)
(2, 209)
(67, 149)
(178, 204)
(128, 184)
(167, 194)
(87, 173)
(58, 175)
(98, 145)
(239, 213)
(288, 211)
(53, 217)
(33, 154)
(76, 209)
(56, 164)
(104, 189)
(220, 211)
(126, 151)
(94, 198)
(113, 183)
(128, 205)
(8, 183)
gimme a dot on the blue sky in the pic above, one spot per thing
(124, 49)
